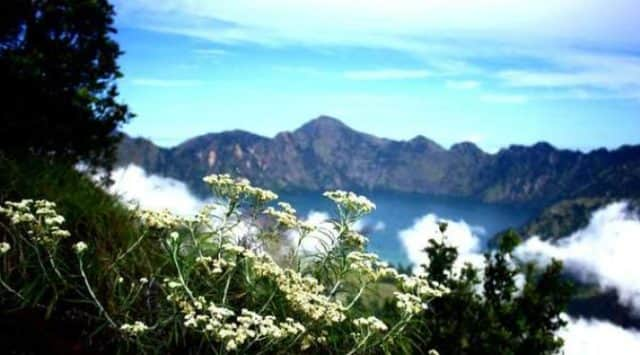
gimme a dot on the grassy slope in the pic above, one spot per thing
(92, 215)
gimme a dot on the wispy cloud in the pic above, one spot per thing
(551, 45)
(387, 74)
(510, 99)
(591, 74)
(165, 83)
(300, 69)
(462, 84)
(374, 21)
(211, 52)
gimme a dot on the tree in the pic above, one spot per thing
(490, 314)
(58, 74)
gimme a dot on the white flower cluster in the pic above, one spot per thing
(223, 185)
(310, 339)
(420, 286)
(218, 323)
(4, 248)
(350, 202)
(371, 324)
(369, 267)
(80, 247)
(409, 304)
(354, 239)
(135, 329)
(40, 219)
(162, 220)
(285, 217)
(304, 293)
(215, 265)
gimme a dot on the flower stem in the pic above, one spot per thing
(93, 295)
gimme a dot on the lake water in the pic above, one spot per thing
(397, 211)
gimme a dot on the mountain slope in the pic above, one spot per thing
(325, 154)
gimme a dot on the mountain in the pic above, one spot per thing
(325, 154)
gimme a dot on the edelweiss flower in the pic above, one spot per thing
(80, 247)
(371, 323)
(409, 304)
(225, 186)
(134, 329)
(350, 202)
(4, 248)
(39, 218)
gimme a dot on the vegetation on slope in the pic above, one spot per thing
(152, 282)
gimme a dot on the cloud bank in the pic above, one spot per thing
(592, 337)
(605, 252)
(135, 186)
(459, 234)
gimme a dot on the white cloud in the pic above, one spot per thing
(459, 234)
(592, 337)
(165, 83)
(575, 69)
(154, 192)
(366, 225)
(509, 99)
(324, 237)
(211, 52)
(318, 241)
(386, 74)
(137, 188)
(462, 84)
(605, 252)
(452, 38)
(384, 23)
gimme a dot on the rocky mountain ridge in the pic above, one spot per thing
(326, 154)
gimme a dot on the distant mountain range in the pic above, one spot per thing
(325, 154)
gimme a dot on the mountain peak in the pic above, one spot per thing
(323, 123)
(425, 143)
(466, 147)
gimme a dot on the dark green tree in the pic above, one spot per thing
(58, 71)
(488, 314)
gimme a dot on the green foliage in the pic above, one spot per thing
(169, 284)
(100, 290)
(485, 312)
(57, 73)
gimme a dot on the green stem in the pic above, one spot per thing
(10, 289)
(55, 268)
(174, 255)
(131, 248)
(357, 297)
(93, 295)
(226, 287)
(360, 344)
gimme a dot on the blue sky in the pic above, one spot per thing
(494, 72)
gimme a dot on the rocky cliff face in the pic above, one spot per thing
(325, 154)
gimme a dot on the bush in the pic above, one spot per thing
(486, 311)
